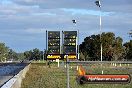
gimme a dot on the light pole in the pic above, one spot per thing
(77, 48)
(100, 23)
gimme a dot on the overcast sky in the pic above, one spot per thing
(23, 22)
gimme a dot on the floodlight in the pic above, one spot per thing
(74, 21)
(98, 3)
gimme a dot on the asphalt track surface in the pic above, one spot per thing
(9, 70)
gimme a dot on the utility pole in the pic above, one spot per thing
(100, 24)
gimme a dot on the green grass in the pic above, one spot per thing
(40, 76)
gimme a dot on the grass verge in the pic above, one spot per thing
(40, 76)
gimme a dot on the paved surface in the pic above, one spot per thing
(8, 70)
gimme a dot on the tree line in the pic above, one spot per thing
(113, 48)
(7, 54)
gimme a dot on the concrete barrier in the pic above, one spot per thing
(16, 81)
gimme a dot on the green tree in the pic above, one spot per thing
(3, 52)
(112, 47)
(107, 40)
(82, 57)
(118, 49)
(20, 56)
(34, 54)
(90, 47)
(12, 55)
(128, 50)
(28, 55)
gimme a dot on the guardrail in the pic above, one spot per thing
(15, 82)
(122, 62)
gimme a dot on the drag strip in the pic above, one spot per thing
(9, 70)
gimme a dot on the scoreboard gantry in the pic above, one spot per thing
(61, 45)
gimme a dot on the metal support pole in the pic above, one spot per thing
(76, 42)
(101, 38)
(67, 68)
(62, 45)
(46, 40)
(77, 47)
(46, 48)
(100, 33)
(98, 3)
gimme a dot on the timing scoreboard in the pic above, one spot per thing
(53, 42)
(68, 46)
(53, 51)
(70, 42)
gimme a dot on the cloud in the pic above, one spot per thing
(34, 31)
(50, 4)
(15, 9)
(23, 22)
(107, 5)
(86, 12)
(117, 6)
